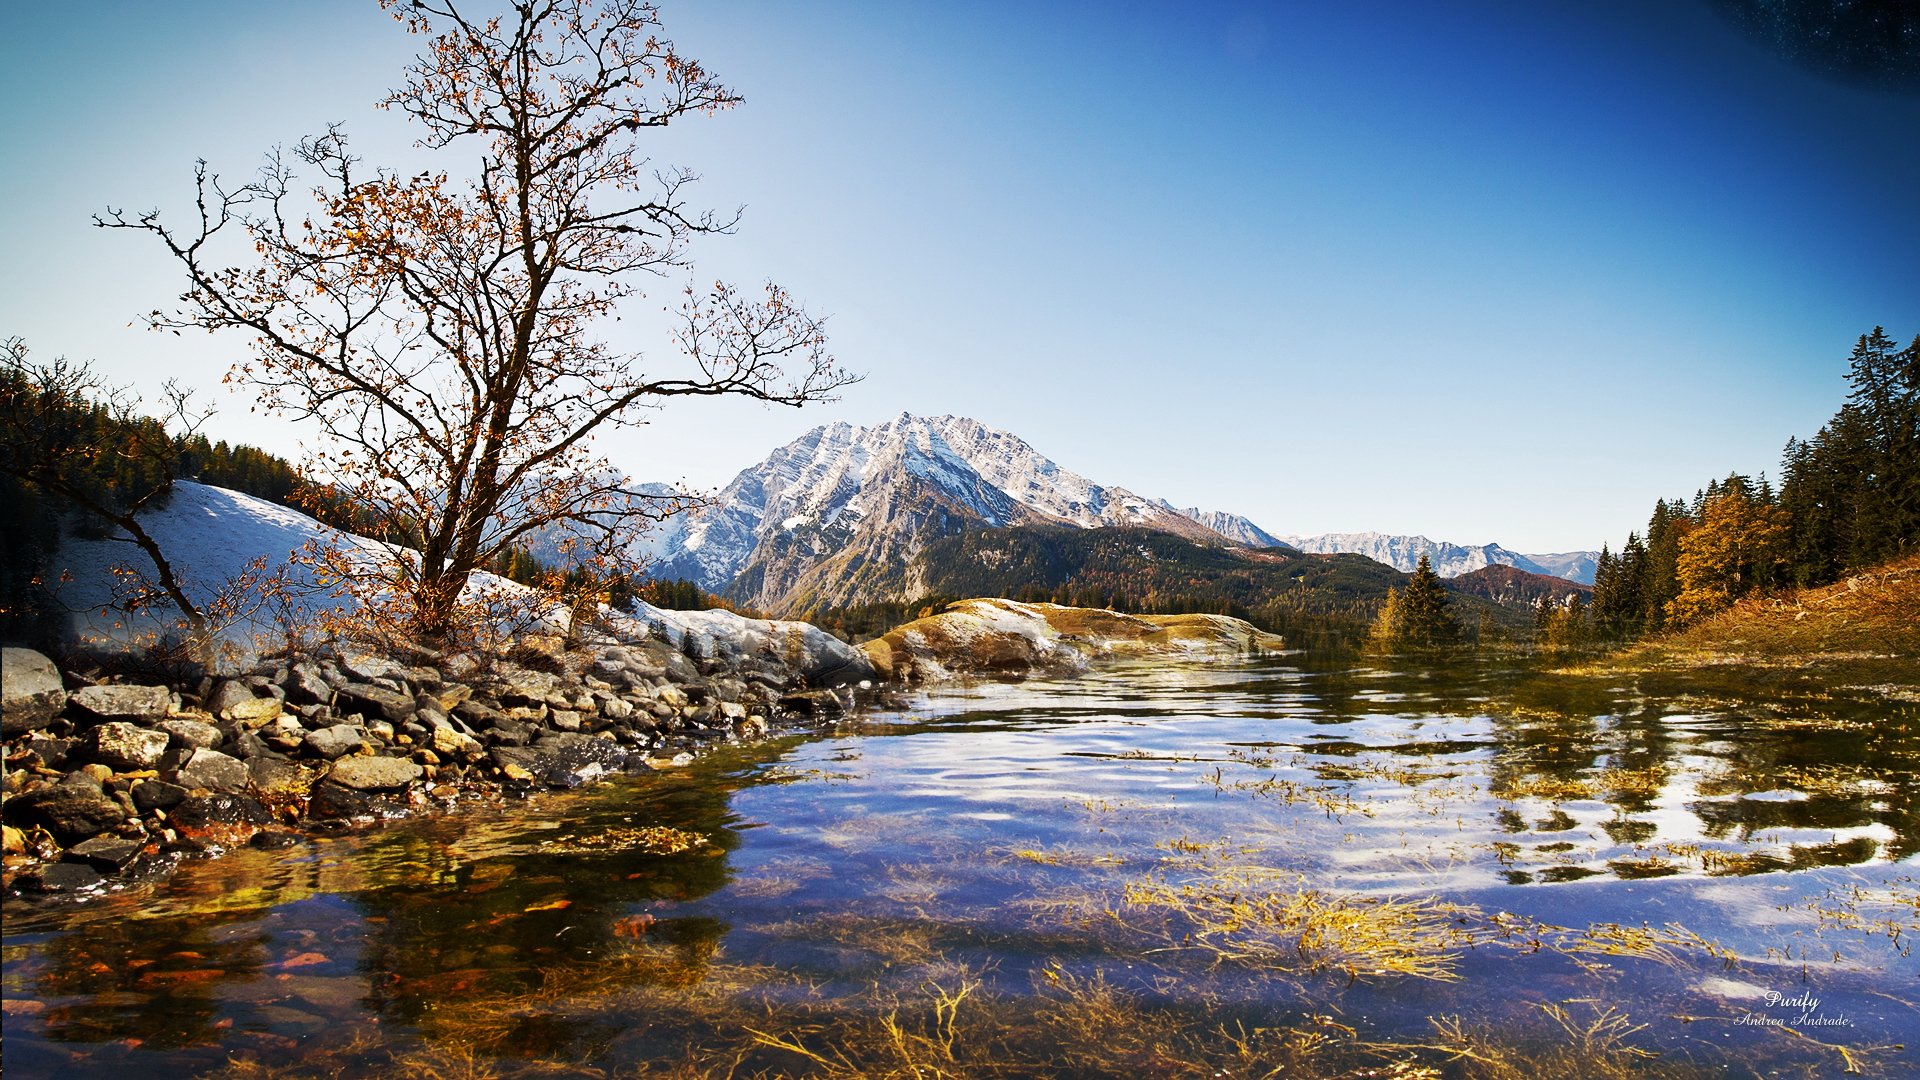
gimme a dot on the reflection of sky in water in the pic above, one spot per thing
(983, 812)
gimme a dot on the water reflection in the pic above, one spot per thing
(1010, 838)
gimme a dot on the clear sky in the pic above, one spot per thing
(1487, 270)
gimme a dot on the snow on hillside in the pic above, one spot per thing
(210, 535)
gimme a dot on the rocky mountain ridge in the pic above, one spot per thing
(838, 515)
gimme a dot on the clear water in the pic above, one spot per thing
(1664, 878)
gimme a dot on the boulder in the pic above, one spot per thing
(331, 800)
(124, 702)
(588, 759)
(256, 712)
(71, 812)
(336, 741)
(62, 877)
(505, 732)
(813, 702)
(152, 795)
(390, 705)
(214, 771)
(191, 734)
(477, 715)
(366, 667)
(374, 773)
(280, 782)
(307, 686)
(450, 743)
(219, 819)
(124, 747)
(229, 693)
(55, 754)
(1003, 637)
(31, 693)
(106, 854)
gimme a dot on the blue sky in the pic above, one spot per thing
(1482, 270)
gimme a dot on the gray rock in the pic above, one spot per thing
(336, 741)
(157, 795)
(388, 704)
(214, 771)
(71, 812)
(447, 742)
(330, 800)
(727, 689)
(191, 734)
(588, 759)
(219, 819)
(815, 702)
(374, 773)
(31, 693)
(55, 753)
(565, 720)
(307, 686)
(64, 877)
(505, 732)
(478, 716)
(366, 667)
(229, 693)
(123, 747)
(106, 854)
(124, 702)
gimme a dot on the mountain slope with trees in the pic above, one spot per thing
(1848, 501)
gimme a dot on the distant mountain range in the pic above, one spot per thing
(1449, 560)
(839, 515)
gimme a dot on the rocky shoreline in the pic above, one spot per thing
(111, 780)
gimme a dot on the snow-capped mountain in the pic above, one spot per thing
(1449, 560)
(835, 514)
(1232, 526)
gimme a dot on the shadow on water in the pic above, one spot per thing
(1320, 866)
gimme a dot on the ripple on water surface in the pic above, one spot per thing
(1319, 869)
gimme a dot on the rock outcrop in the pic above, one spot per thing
(1007, 638)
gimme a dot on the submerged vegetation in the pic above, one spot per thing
(1327, 867)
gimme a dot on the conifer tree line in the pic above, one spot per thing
(1848, 499)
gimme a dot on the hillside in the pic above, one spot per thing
(1512, 587)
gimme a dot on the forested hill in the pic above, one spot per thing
(1143, 570)
(1512, 587)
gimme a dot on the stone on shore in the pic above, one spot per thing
(374, 773)
(123, 747)
(124, 702)
(334, 742)
(71, 812)
(191, 734)
(213, 771)
(31, 693)
(1004, 637)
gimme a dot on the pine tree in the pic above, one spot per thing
(1418, 616)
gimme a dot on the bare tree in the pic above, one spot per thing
(437, 330)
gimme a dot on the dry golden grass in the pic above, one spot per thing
(1867, 626)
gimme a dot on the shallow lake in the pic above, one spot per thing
(1298, 867)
